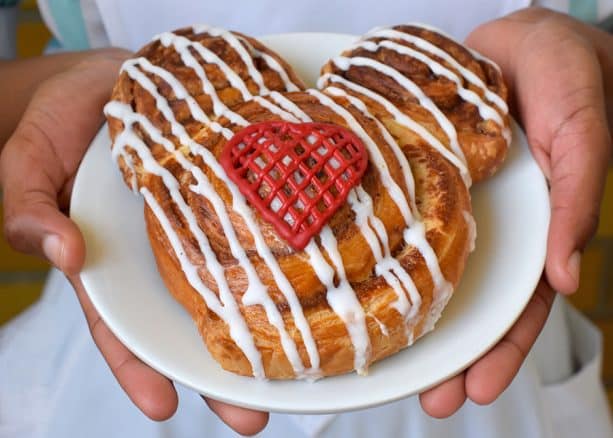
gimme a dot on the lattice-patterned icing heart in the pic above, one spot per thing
(296, 175)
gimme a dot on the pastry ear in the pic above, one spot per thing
(224, 69)
(428, 89)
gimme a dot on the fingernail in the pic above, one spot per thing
(574, 266)
(52, 248)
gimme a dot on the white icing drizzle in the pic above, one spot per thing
(382, 326)
(393, 145)
(403, 119)
(416, 236)
(486, 112)
(426, 45)
(239, 332)
(181, 45)
(219, 108)
(256, 291)
(261, 246)
(178, 89)
(130, 163)
(472, 229)
(273, 64)
(386, 266)
(345, 63)
(275, 109)
(228, 308)
(485, 59)
(431, 28)
(376, 157)
(413, 235)
(344, 303)
(241, 207)
(233, 41)
(289, 106)
(364, 213)
(342, 298)
(476, 54)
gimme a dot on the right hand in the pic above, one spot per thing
(37, 170)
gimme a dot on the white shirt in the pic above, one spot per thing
(55, 384)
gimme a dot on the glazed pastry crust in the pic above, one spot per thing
(441, 197)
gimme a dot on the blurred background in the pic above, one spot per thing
(22, 277)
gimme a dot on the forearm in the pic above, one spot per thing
(19, 80)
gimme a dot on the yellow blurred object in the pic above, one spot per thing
(605, 226)
(21, 279)
(21, 276)
(32, 38)
(11, 261)
(28, 5)
(606, 326)
(32, 34)
(17, 296)
(592, 265)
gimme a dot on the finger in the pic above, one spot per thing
(151, 392)
(33, 222)
(491, 375)
(445, 399)
(244, 421)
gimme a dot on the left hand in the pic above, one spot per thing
(37, 171)
(557, 71)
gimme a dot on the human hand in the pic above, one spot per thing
(557, 71)
(37, 170)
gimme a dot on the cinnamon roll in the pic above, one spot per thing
(429, 115)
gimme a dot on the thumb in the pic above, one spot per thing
(579, 157)
(33, 222)
(37, 227)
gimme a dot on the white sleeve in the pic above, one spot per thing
(45, 12)
(96, 32)
(605, 9)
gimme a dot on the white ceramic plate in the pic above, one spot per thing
(512, 214)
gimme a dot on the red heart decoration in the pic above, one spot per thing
(296, 174)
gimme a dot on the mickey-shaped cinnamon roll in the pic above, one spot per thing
(308, 232)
